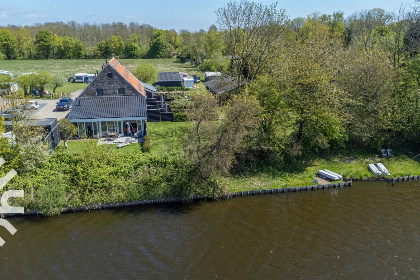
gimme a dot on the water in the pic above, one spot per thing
(371, 230)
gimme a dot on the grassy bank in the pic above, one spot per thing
(169, 137)
(89, 174)
(355, 168)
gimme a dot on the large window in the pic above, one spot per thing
(100, 91)
(111, 126)
(103, 128)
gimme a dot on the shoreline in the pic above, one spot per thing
(88, 208)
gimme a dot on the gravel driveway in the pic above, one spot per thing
(47, 108)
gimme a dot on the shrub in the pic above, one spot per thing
(147, 146)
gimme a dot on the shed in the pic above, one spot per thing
(169, 79)
(211, 75)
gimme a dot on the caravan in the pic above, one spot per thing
(7, 85)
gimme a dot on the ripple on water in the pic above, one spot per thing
(370, 230)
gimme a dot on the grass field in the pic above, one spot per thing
(68, 68)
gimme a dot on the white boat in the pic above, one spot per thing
(372, 168)
(325, 173)
(382, 168)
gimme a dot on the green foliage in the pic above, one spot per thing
(159, 48)
(146, 72)
(218, 63)
(68, 48)
(113, 46)
(51, 194)
(67, 130)
(8, 44)
(44, 43)
(147, 145)
(132, 48)
(57, 81)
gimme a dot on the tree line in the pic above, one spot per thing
(319, 85)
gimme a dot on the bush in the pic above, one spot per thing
(147, 146)
(180, 117)
(51, 195)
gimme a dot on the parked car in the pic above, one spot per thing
(12, 113)
(64, 104)
(29, 105)
(34, 91)
(196, 79)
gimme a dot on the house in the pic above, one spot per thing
(113, 103)
(169, 79)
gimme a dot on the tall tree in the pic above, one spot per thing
(8, 44)
(44, 43)
(254, 30)
(159, 48)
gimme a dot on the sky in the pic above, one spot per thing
(167, 14)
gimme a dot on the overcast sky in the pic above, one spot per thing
(166, 14)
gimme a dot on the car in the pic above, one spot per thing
(64, 104)
(34, 91)
(29, 105)
(12, 113)
(196, 79)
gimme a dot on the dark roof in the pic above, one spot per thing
(150, 88)
(221, 85)
(108, 107)
(36, 122)
(127, 75)
(169, 76)
(45, 122)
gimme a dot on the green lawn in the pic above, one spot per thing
(164, 137)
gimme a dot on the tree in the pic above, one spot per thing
(159, 48)
(25, 42)
(146, 72)
(219, 133)
(112, 46)
(8, 44)
(253, 30)
(41, 79)
(26, 81)
(132, 48)
(67, 130)
(44, 43)
(57, 81)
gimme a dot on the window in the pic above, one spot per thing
(121, 90)
(100, 91)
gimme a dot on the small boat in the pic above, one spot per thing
(372, 168)
(382, 168)
(327, 174)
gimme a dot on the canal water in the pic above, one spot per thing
(370, 230)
